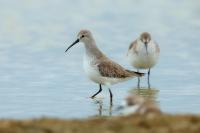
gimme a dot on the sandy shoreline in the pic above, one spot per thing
(137, 123)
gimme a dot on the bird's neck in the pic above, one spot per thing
(92, 50)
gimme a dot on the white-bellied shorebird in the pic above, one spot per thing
(100, 68)
(137, 104)
(143, 53)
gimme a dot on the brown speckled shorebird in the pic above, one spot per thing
(143, 53)
(100, 68)
(137, 104)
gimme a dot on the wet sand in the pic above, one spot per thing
(164, 123)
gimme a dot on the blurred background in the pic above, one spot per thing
(38, 79)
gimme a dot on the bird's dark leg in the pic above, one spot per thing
(111, 97)
(100, 89)
(149, 78)
(138, 85)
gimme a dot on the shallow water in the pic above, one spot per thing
(38, 79)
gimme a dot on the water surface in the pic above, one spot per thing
(38, 79)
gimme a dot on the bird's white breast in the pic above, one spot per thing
(90, 68)
(138, 58)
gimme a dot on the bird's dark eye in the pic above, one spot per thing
(82, 36)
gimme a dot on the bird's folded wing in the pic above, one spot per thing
(133, 46)
(113, 70)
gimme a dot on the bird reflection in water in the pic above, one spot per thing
(149, 94)
(102, 109)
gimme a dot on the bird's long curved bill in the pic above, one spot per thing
(146, 48)
(72, 45)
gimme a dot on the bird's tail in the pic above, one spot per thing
(137, 74)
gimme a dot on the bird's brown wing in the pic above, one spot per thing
(111, 69)
(133, 46)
